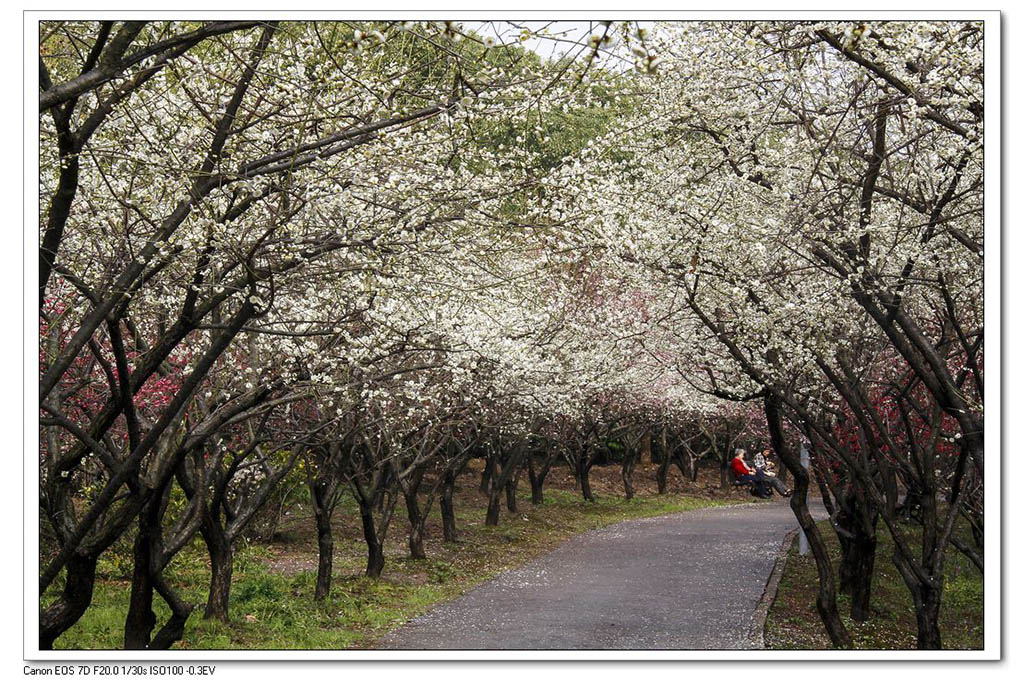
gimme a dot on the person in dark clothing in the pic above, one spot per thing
(764, 467)
(744, 473)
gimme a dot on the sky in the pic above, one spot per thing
(563, 36)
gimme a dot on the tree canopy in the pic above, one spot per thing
(370, 249)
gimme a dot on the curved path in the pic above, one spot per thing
(686, 581)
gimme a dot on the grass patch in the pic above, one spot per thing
(793, 622)
(272, 604)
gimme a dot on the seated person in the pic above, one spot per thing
(745, 474)
(763, 466)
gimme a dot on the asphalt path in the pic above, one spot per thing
(686, 581)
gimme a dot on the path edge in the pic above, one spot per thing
(771, 589)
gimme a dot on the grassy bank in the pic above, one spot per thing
(793, 621)
(272, 603)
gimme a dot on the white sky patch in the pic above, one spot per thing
(550, 39)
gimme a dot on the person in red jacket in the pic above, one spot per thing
(744, 473)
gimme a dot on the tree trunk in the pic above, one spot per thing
(856, 568)
(646, 447)
(826, 601)
(927, 601)
(978, 533)
(783, 475)
(536, 482)
(147, 578)
(493, 506)
(80, 578)
(583, 473)
(174, 628)
(323, 489)
(374, 545)
(416, 550)
(664, 461)
(686, 464)
(416, 526)
(511, 485)
(325, 549)
(485, 477)
(380, 490)
(415, 514)
(659, 450)
(588, 494)
(451, 533)
(140, 620)
(862, 566)
(218, 545)
(628, 464)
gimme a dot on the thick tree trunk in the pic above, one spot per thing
(325, 549)
(493, 506)
(375, 560)
(664, 461)
(927, 601)
(374, 545)
(147, 578)
(536, 482)
(488, 472)
(451, 533)
(174, 628)
(691, 475)
(140, 620)
(222, 564)
(416, 550)
(583, 473)
(80, 578)
(323, 497)
(628, 464)
(856, 568)
(504, 479)
(862, 565)
(381, 489)
(588, 493)
(511, 486)
(662, 478)
(783, 475)
(417, 518)
(416, 526)
(646, 448)
(686, 464)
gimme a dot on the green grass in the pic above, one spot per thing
(273, 608)
(793, 622)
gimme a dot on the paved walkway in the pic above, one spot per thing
(687, 581)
